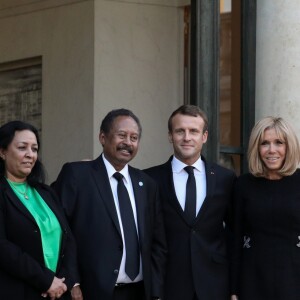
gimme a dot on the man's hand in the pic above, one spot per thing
(56, 289)
(76, 293)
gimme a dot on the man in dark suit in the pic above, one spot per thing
(195, 202)
(115, 215)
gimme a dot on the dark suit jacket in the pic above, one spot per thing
(88, 202)
(23, 274)
(197, 253)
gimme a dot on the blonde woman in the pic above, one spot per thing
(266, 255)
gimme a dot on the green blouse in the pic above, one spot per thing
(49, 226)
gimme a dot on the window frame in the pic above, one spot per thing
(204, 72)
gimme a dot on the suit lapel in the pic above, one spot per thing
(15, 200)
(100, 177)
(140, 197)
(46, 196)
(210, 186)
(168, 183)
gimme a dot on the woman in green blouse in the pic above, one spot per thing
(37, 250)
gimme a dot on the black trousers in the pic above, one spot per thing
(130, 291)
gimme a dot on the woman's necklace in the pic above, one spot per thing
(14, 185)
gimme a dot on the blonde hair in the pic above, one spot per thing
(286, 133)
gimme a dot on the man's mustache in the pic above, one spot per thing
(125, 147)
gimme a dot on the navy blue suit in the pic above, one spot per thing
(197, 253)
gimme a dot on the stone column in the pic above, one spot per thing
(278, 60)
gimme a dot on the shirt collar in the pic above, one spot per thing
(111, 170)
(178, 165)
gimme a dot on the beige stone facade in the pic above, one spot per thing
(97, 56)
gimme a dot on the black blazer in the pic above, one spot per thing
(23, 274)
(88, 203)
(197, 253)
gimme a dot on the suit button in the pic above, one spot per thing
(116, 271)
(120, 247)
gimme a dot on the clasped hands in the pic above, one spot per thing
(58, 288)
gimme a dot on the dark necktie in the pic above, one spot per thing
(190, 198)
(132, 264)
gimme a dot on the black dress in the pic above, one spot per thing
(266, 252)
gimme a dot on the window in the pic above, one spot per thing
(222, 75)
(21, 92)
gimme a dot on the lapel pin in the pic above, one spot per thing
(141, 183)
(212, 173)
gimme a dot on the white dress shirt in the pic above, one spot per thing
(122, 277)
(180, 177)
